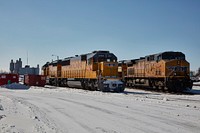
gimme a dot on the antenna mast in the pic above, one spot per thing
(27, 57)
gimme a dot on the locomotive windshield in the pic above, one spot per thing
(170, 56)
(173, 55)
(104, 58)
(101, 56)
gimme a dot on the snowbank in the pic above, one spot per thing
(16, 86)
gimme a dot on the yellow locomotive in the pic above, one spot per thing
(166, 71)
(93, 71)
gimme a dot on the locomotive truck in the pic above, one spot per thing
(164, 71)
(93, 71)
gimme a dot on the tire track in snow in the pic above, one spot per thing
(118, 115)
(44, 123)
(84, 126)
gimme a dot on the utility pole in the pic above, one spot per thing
(57, 82)
(27, 57)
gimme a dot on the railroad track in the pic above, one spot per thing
(187, 92)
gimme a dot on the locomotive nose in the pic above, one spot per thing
(113, 85)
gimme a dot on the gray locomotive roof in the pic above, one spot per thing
(78, 57)
(142, 58)
(89, 55)
(164, 53)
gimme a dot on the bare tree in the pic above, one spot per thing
(2, 71)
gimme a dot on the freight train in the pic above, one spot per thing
(93, 71)
(6, 78)
(164, 71)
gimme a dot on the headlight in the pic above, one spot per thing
(174, 74)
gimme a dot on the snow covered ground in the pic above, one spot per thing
(66, 110)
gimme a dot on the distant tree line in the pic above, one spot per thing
(2, 71)
(195, 74)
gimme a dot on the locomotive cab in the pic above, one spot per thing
(106, 67)
(173, 68)
(177, 71)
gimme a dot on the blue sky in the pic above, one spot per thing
(128, 28)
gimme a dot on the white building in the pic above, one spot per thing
(29, 70)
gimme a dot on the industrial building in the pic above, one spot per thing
(16, 67)
(29, 70)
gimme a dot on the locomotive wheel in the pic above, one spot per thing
(64, 83)
(133, 83)
(93, 88)
(83, 84)
(179, 87)
(165, 88)
(87, 86)
(160, 85)
(129, 83)
(153, 85)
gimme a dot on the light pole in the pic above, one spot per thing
(58, 71)
(56, 56)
